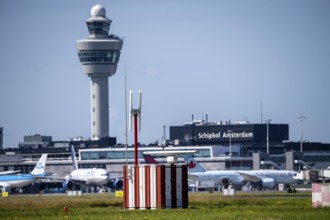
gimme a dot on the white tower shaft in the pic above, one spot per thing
(100, 107)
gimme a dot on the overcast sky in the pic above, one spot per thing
(221, 58)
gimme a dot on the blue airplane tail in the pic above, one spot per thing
(192, 164)
(39, 169)
(74, 160)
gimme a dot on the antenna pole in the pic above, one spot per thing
(135, 139)
(126, 140)
(136, 115)
(261, 112)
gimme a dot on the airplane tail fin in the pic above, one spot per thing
(149, 159)
(41, 165)
(74, 160)
(192, 164)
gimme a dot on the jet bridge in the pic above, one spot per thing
(262, 161)
(171, 155)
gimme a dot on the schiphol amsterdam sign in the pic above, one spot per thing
(224, 135)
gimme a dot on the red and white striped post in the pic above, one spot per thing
(155, 186)
(320, 195)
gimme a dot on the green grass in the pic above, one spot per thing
(261, 205)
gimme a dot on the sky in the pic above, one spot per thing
(222, 58)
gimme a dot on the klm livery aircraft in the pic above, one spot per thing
(20, 180)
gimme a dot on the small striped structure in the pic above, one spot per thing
(320, 195)
(155, 186)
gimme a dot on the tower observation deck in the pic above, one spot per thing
(99, 55)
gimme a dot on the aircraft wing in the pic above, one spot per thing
(55, 176)
(249, 178)
(63, 177)
(193, 177)
(116, 177)
(9, 172)
(4, 184)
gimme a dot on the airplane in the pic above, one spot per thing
(197, 173)
(267, 178)
(20, 180)
(89, 177)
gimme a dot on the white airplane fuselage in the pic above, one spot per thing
(240, 177)
(217, 176)
(16, 181)
(91, 177)
(280, 176)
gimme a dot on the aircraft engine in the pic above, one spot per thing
(225, 182)
(116, 183)
(68, 184)
(268, 183)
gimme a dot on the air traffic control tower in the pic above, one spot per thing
(99, 55)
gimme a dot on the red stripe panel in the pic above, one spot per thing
(136, 187)
(160, 186)
(147, 186)
(125, 197)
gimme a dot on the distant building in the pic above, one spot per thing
(1, 138)
(35, 141)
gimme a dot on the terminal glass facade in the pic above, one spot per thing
(121, 154)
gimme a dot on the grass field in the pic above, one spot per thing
(251, 205)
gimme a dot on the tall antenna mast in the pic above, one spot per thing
(126, 131)
(261, 111)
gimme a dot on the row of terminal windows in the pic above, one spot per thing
(98, 27)
(86, 166)
(99, 155)
(317, 158)
(99, 56)
(24, 169)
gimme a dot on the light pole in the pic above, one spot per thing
(229, 132)
(301, 118)
(268, 121)
(164, 140)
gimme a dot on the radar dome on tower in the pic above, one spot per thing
(98, 10)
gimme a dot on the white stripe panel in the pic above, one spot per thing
(142, 188)
(325, 195)
(153, 186)
(131, 197)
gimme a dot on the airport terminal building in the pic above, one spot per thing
(218, 146)
(251, 138)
